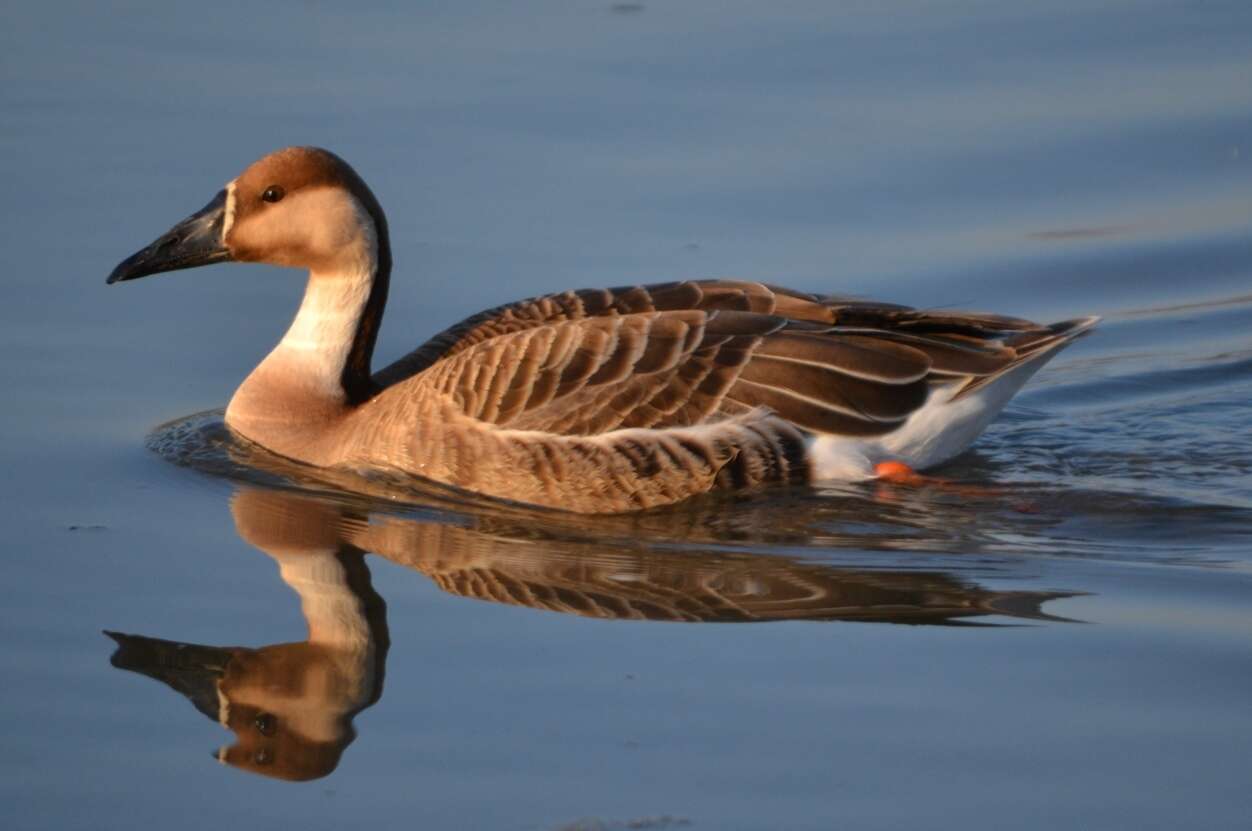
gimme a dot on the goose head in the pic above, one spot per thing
(300, 206)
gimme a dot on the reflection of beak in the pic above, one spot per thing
(195, 241)
(188, 668)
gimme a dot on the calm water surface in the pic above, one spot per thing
(1067, 645)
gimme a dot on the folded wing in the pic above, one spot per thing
(684, 354)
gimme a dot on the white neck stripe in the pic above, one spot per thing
(228, 214)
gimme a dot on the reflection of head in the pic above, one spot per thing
(289, 705)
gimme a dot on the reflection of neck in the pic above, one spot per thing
(340, 614)
(339, 671)
(334, 613)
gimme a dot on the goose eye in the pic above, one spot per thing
(265, 724)
(273, 193)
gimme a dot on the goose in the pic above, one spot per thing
(596, 400)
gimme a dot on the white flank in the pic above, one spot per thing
(941, 430)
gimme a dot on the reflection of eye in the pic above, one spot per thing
(265, 724)
(262, 757)
(273, 193)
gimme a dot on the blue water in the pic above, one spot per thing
(1067, 646)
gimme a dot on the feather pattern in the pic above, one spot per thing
(626, 398)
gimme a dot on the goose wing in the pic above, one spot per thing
(705, 295)
(680, 354)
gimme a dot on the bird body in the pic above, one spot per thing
(599, 400)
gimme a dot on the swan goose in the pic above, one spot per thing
(599, 400)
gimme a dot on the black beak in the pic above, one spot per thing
(189, 668)
(195, 241)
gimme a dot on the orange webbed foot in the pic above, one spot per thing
(898, 473)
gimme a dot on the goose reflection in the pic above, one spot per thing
(291, 705)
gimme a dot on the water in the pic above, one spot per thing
(1077, 647)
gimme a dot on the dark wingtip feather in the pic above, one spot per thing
(1077, 326)
(1029, 605)
(1053, 335)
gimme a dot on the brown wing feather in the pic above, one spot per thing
(702, 295)
(679, 354)
(589, 376)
